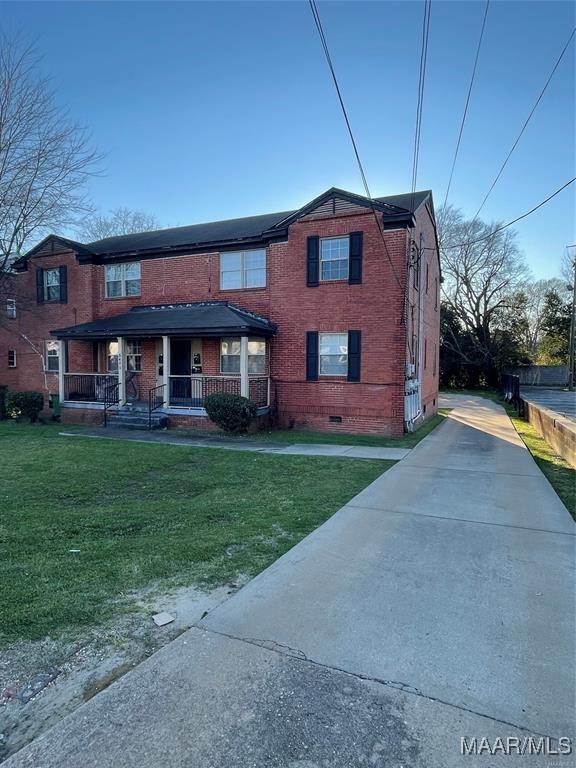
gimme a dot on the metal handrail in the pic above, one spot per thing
(156, 399)
(111, 396)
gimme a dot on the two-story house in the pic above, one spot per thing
(327, 317)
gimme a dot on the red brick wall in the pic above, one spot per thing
(377, 308)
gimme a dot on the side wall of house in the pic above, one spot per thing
(423, 310)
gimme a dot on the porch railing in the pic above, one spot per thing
(190, 391)
(156, 400)
(183, 391)
(89, 387)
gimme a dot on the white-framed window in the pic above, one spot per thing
(52, 359)
(52, 284)
(243, 269)
(333, 354)
(122, 279)
(334, 258)
(133, 355)
(11, 308)
(230, 355)
(112, 357)
(11, 358)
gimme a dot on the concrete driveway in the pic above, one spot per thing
(437, 604)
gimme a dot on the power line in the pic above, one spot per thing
(508, 156)
(420, 101)
(320, 29)
(509, 224)
(467, 102)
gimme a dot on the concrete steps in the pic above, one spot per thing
(134, 418)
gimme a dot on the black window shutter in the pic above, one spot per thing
(311, 355)
(313, 260)
(63, 284)
(39, 285)
(354, 344)
(355, 272)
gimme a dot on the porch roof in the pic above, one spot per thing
(213, 318)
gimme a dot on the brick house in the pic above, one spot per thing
(308, 312)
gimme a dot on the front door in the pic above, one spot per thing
(186, 370)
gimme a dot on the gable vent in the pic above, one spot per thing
(336, 206)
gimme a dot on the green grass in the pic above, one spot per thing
(141, 513)
(560, 474)
(335, 438)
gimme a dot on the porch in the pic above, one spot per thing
(182, 391)
(120, 361)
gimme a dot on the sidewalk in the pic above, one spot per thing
(245, 444)
(437, 604)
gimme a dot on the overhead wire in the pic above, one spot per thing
(467, 104)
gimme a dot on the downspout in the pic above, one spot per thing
(421, 290)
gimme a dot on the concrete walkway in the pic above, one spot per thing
(438, 604)
(245, 444)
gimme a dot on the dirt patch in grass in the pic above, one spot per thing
(41, 681)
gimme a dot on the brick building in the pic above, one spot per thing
(327, 317)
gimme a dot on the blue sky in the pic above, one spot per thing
(215, 110)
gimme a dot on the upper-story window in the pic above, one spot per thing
(51, 285)
(11, 358)
(243, 269)
(123, 279)
(334, 258)
(11, 308)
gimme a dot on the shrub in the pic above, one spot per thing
(24, 404)
(3, 391)
(232, 413)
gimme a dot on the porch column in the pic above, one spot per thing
(121, 371)
(244, 385)
(62, 365)
(166, 367)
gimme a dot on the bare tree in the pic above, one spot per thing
(120, 221)
(45, 157)
(480, 276)
(534, 303)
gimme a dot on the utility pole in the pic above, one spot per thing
(572, 347)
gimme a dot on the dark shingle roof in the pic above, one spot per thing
(227, 232)
(195, 234)
(205, 318)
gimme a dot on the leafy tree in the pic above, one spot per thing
(556, 316)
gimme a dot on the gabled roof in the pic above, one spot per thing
(203, 318)
(229, 233)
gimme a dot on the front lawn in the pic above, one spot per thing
(140, 513)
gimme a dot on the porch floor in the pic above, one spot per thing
(246, 444)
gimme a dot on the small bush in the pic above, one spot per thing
(24, 405)
(3, 392)
(232, 413)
